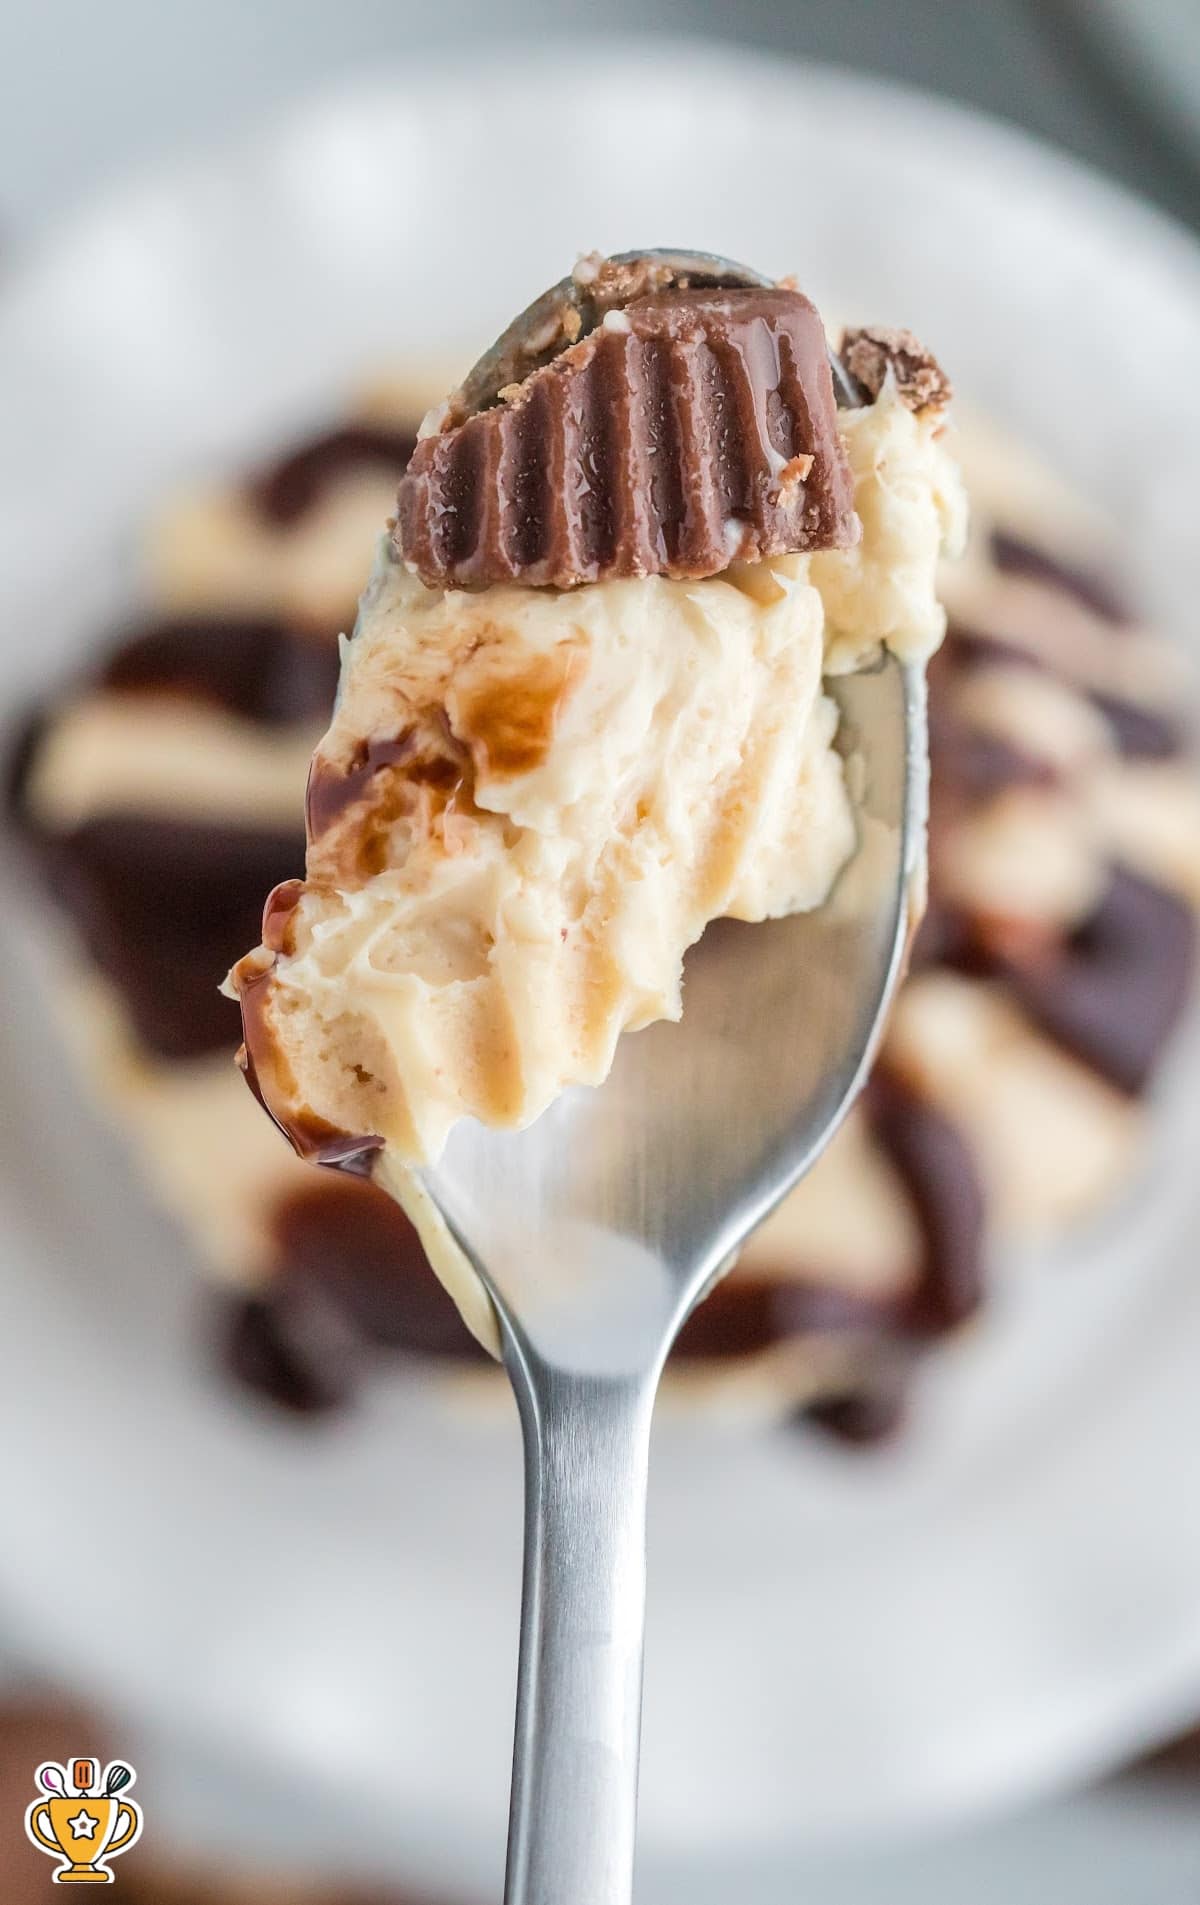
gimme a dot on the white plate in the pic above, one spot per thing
(837, 1644)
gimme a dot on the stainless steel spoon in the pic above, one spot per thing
(598, 1229)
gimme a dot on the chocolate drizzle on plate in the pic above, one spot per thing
(1112, 993)
(938, 1170)
(867, 1416)
(1141, 734)
(259, 669)
(745, 1314)
(161, 901)
(971, 764)
(1014, 555)
(160, 905)
(287, 490)
(349, 1281)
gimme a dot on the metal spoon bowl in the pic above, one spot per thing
(596, 1230)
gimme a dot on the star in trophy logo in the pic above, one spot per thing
(84, 1822)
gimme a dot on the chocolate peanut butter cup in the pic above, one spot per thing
(692, 427)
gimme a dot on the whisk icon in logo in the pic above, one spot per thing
(83, 1823)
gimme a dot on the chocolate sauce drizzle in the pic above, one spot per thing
(262, 670)
(746, 1314)
(349, 1281)
(331, 791)
(868, 1416)
(162, 907)
(311, 1136)
(1112, 994)
(938, 1170)
(1139, 733)
(287, 490)
(1014, 555)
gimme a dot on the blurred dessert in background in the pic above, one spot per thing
(1054, 963)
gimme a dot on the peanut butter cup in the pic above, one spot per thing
(691, 427)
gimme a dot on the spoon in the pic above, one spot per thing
(597, 1230)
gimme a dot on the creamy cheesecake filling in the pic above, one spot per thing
(910, 501)
(599, 777)
(531, 802)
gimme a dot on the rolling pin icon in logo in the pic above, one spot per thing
(83, 1823)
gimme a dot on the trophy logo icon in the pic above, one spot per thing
(83, 1823)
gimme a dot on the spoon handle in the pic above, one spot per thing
(579, 1693)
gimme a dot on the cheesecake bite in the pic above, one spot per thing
(582, 714)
